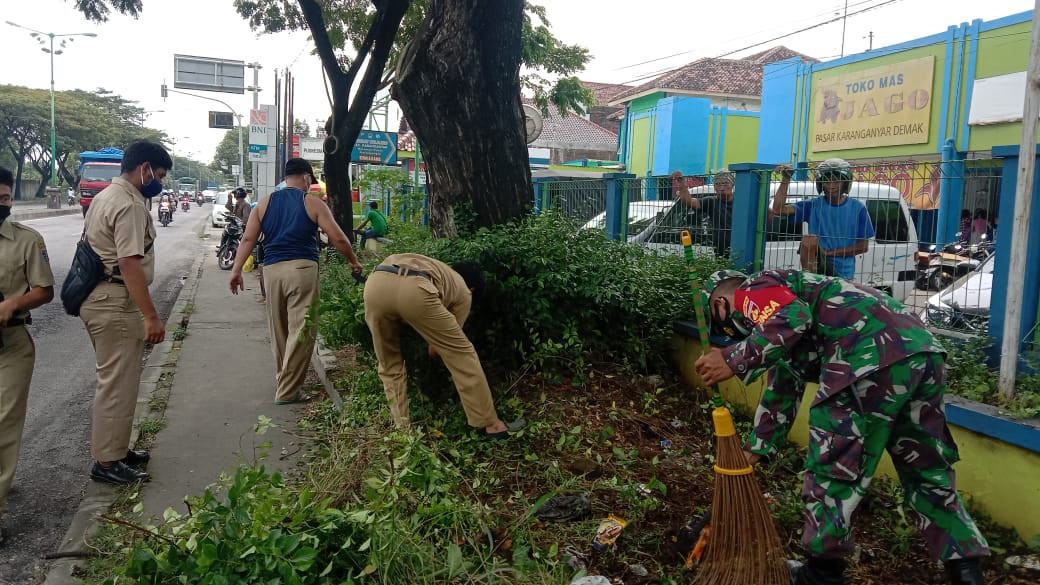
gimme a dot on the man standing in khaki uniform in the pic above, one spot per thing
(119, 314)
(26, 282)
(435, 300)
(289, 220)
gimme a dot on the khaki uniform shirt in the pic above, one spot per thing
(118, 225)
(452, 287)
(23, 261)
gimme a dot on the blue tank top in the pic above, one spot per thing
(289, 233)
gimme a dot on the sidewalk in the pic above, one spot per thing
(24, 210)
(223, 381)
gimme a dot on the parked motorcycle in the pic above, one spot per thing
(229, 241)
(939, 269)
(165, 213)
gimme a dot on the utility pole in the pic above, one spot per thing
(870, 35)
(1020, 226)
(844, 21)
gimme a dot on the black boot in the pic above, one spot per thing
(965, 572)
(818, 571)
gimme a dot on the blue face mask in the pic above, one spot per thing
(151, 189)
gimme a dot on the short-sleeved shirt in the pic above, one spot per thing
(455, 295)
(377, 220)
(242, 210)
(836, 226)
(24, 263)
(718, 217)
(118, 225)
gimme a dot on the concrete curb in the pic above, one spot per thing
(28, 215)
(322, 362)
(99, 497)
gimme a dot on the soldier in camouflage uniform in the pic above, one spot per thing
(881, 386)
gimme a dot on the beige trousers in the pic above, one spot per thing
(292, 289)
(116, 329)
(16, 368)
(391, 299)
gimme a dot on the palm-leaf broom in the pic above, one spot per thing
(743, 547)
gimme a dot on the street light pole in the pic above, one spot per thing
(241, 156)
(54, 140)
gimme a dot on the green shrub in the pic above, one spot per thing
(555, 296)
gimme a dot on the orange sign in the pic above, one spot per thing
(918, 182)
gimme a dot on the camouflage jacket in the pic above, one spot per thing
(853, 329)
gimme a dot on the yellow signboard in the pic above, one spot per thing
(883, 106)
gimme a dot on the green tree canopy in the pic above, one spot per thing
(226, 155)
(82, 121)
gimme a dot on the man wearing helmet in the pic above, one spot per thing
(881, 385)
(839, 226)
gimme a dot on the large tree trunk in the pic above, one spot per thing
(459, 87)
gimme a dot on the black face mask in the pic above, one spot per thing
(5, 211)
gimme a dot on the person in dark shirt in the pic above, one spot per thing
(717, 208)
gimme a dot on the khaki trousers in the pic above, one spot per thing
(391, 299)
(16, 368)
(292, 289)
(116, 329)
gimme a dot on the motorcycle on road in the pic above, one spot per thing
(229, 241)
(185, 204)
(165, 213)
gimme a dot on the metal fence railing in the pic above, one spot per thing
(882, 232)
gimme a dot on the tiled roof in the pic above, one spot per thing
(604, 92)
(717, 76)
(570, 131)
(573, 131)
(405, 136)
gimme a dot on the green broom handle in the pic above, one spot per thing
(698, 308)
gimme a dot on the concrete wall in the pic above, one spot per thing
(562, 155)
(1001, 477)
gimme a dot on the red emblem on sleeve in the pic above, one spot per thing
(760, 304)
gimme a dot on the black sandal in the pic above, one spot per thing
(511, 428)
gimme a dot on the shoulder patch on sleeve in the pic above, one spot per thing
(760, 304)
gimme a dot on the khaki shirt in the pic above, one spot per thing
(450, 285)
(23, 261)
(118, 225)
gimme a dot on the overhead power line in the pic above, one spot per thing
(783, 36)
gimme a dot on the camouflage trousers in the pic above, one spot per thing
(898, 409)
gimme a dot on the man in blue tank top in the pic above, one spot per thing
(289, 221)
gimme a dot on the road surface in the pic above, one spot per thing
(55, 457)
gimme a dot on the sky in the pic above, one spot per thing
(629, 41)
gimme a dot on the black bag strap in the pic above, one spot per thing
(115, 269)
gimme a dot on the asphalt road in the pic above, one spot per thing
(55, 457)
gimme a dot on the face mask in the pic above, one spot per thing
(5, 211)
(151, 189)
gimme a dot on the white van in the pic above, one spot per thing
(887, 265)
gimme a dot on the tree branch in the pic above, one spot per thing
(384, 31)
(316, 22)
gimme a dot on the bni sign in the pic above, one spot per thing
(259, 125)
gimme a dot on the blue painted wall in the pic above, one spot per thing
(779, 103)
(680, 136)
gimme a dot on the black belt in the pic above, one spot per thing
(403, 270)
(18, 322)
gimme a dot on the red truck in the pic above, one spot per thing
(96, 171)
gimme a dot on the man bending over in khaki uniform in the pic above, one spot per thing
(434, 299)
(26, 282)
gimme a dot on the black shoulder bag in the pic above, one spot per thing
(86, 272)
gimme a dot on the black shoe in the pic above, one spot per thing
(965, 572)
(818, 571)
(117, 473)
(136, 458)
